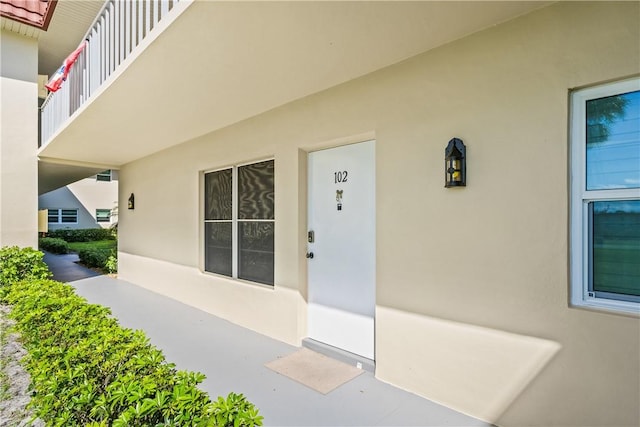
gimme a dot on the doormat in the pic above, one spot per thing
(317, 371)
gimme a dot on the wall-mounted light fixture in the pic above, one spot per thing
(132, 202)
(455, 164)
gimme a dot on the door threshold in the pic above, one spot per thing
(339, 354)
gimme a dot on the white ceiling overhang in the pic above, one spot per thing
(54, 174)
(221, 62)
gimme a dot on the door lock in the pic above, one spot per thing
(310, 255)
(310, 236)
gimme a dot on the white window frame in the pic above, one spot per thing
(581, 197)
(59, 215)
(108, 221)
(108, 174)
(234, 222)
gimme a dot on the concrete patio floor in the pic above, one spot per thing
(233, 359)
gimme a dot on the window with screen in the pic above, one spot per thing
(239, 222)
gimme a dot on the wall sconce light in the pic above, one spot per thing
(132, 202)
(455, 164)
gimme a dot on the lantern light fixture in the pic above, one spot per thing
(455, 164)
(131, 202)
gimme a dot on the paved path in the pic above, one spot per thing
(233, 359)
(65, 268)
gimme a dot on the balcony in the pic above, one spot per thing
(156, 73)
(118, 32)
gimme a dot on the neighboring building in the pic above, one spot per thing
(89, 203)
(282, 165)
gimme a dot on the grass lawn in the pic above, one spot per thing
(100, 244)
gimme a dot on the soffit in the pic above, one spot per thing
(54, 175)
(19, 28)
(222, 62)
(67, 29)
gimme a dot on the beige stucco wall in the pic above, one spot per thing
(18, 140)
(472, 284)
(87, 195)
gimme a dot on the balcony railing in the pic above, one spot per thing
(118, 29)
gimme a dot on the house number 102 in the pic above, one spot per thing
(340, 176)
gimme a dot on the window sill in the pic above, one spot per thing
(236, 282)
(629, 309)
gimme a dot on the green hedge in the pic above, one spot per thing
(86, 370)
(53, 245)
(18, 264)
(83, 235)
(94, 257)
(103, 258)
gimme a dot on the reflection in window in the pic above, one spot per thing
(103, 215)
(613, 142)
(616, 247)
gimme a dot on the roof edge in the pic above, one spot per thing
(44, 15)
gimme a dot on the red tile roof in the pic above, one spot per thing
(36, 13)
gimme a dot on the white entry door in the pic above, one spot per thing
(341, 248)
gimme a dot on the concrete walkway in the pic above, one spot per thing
(65, 268)
(233, 359)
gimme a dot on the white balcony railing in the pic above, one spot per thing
(118, 29)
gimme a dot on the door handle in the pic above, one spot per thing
(310, 255)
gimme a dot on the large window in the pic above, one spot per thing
(605, 202)
(62, 216)
(239, 222)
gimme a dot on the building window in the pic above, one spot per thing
(104, 176)
(605, 197)
(62, 216)
(239, 222)
(103, 215)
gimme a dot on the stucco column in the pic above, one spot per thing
(18, 140)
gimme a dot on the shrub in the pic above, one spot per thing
(21, 264)
(94, 257)
(88, 371)
(84, 235)
(111, 265)
(91, 370)
(53, 245)
(235, 410)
